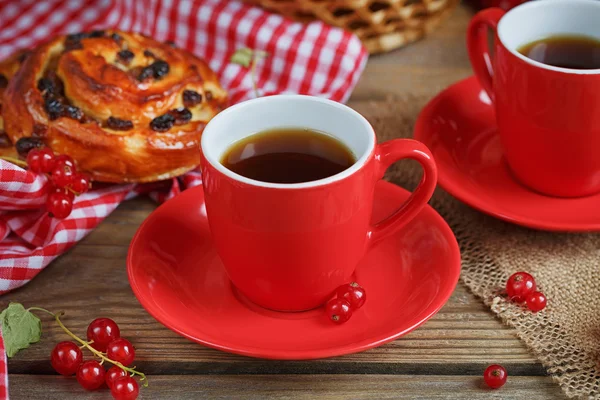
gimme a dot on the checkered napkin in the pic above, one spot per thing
(311, 59)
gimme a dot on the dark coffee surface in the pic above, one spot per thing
(566, 51)
(288, 155)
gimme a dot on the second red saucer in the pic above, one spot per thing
(459, 126)
(178, 278)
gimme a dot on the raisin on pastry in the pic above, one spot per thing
(126, 107)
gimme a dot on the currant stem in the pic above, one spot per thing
(85, 344)
(256, 55)
(253, 76)
(15, 161)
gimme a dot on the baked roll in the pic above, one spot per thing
(8, 68)
(125, 107)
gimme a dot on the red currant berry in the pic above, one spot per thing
(121, 350)
(66, 192)
(495, 376)
(59, 205)
(102, 331)
(353, 293)
(90, 375)
(34, 161)
(81, 183)
(519, 285)
(338, 310)
(62, 175)
(125, 388)
(63, 159)
(113, 374)
(46, 157)
(536, 301)
(66, 358)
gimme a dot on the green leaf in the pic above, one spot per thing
(242, 57)
(247, 58)
(20, 328)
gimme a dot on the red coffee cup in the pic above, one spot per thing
(548, 117)
(287, 247)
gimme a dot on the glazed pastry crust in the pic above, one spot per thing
(92, 77)
(8, 68)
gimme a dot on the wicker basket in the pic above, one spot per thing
(382, 25)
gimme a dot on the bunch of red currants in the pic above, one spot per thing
(67, 182)
(103, 335)
(348, 298)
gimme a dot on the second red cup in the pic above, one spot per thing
(548, 116)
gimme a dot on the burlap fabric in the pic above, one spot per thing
(565, 337)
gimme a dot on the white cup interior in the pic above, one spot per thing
(283, 111)
(540, 19)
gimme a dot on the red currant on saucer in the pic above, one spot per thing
(519, 285)
(90, 375)
(536, 301)
(495, 376)
(338, 310)
(66, 358)
(353, 293)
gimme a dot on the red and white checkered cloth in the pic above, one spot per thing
(311, 59)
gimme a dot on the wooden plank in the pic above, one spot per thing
(297, 387)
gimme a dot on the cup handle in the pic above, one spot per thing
(385, 155)
(477, 44)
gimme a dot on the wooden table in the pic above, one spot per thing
(444, 359)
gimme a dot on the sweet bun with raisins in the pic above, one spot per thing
(8, 68)
(126, 107)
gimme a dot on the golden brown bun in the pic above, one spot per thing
(96, 97)
(8, 68)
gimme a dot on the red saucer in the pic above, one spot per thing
(178, 278)
(460, 129)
